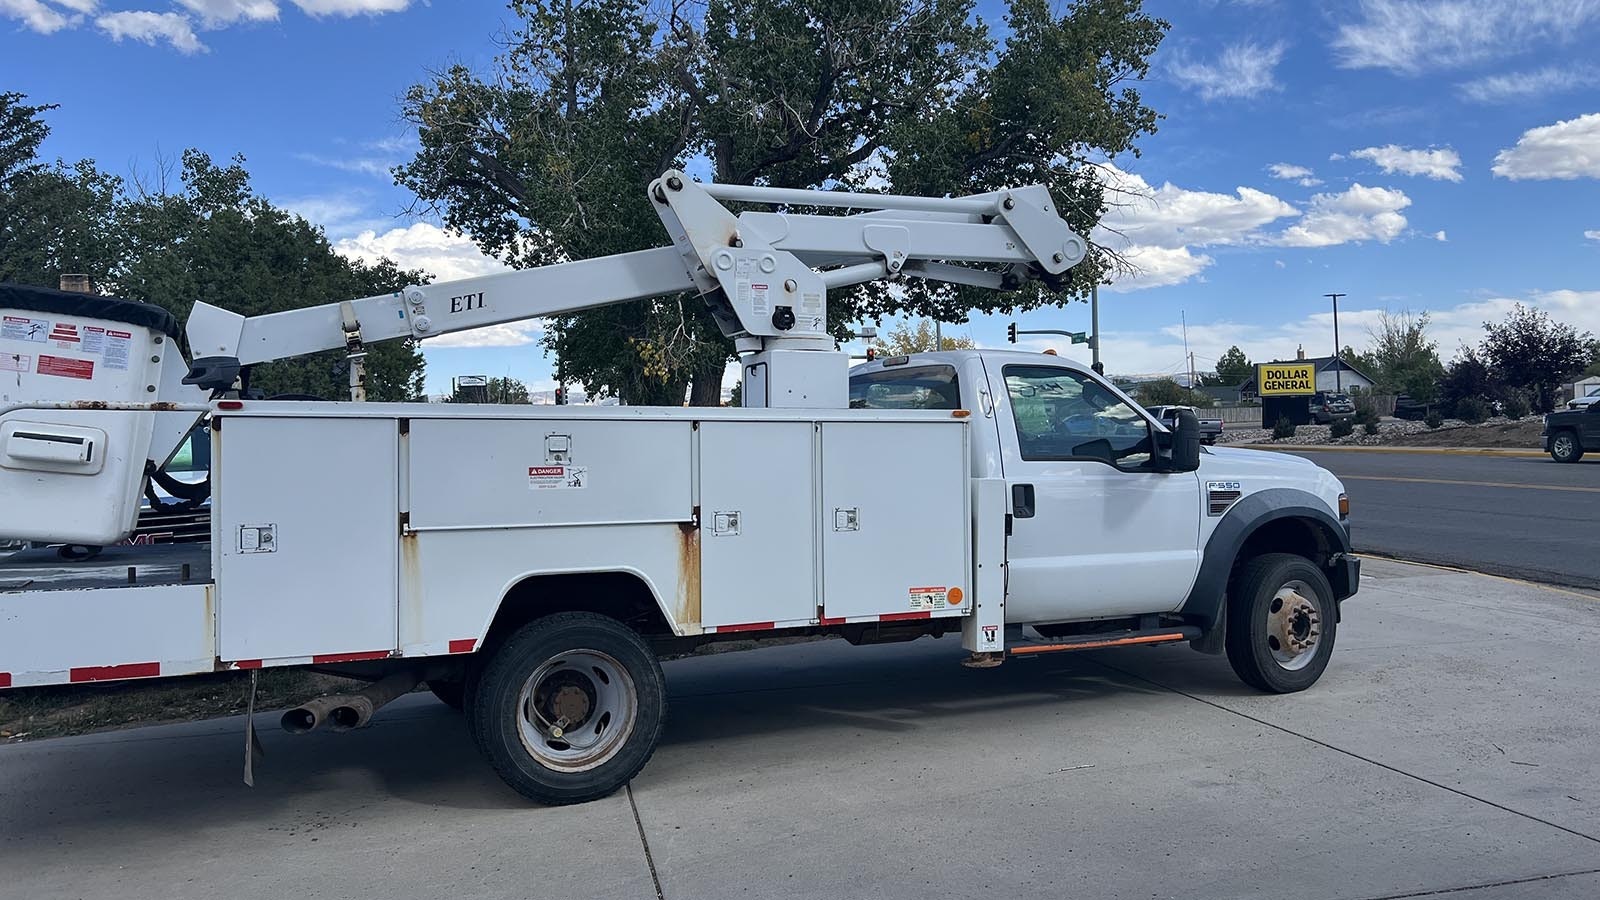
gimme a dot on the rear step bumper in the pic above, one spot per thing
(1102, 641)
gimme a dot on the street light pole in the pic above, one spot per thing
(1094, 326)
(1338, 358)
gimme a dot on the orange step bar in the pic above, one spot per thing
(1160, 638)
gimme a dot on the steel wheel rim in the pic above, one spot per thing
(577, 710)
(1563, 445)
(1294, 626)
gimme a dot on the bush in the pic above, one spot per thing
(1370, 426)
(1472, 410)
(1283, 428)
(1433, 419)
(1515, 405)
(1341, 428)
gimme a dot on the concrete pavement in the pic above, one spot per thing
(1451, 747)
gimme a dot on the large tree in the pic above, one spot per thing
(1530, 351)
(1403, 359)
(201, 233)
(1233, 368)
(904, 339)
(546, 157)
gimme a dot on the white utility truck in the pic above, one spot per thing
(533, 564)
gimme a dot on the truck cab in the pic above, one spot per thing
(1103, 528)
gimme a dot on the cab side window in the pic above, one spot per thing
(910, 387)
(1061, 414)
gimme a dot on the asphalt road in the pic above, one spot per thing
(1448, 754)
(1524, 517)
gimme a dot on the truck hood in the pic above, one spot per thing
(1257, 470)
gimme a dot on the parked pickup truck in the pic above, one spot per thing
(1210, 425)
(1570, 433)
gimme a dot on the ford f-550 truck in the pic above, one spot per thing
(532, 565)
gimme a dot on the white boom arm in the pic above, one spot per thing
(764, 274)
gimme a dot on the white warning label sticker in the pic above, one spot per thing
(16, 362)
(557, 477)
(20, 328)
(119, 347)
(928, 597)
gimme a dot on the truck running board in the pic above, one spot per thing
(1102, 641)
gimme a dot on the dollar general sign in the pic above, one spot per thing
(1286, 379)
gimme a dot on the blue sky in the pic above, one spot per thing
(1412, 154)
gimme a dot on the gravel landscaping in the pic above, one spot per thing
(1496, 432)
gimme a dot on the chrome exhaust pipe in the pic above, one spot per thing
(355, 710)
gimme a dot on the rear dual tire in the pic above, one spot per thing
(569, 708)
(1281, 623)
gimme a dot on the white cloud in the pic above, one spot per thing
(1154, 228)
(1566, 150)
(151, 27)
(350, 7)
(447, 257)
(1514, 86)
(37, 16)
(362, 165)
(1440, 236)
(1298, 174)
(1593, 234)
(1441, 165)
(1242, 71)
(1359, 214)
(1413, 36)
(220, 13)
(79, 6)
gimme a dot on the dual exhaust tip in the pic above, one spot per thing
(347, 712)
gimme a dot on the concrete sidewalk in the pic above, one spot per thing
(1453, 746)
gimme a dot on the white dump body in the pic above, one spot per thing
(73, 476)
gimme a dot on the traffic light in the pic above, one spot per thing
(1011, 332)
(561, 395)
(872, 354)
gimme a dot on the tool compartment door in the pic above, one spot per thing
(895, 524)
(307, 548)
(757, 523)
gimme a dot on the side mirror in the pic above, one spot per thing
(1183, 450)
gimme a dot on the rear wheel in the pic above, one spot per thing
(1564, 447)
(570, 708)
(1281, 623)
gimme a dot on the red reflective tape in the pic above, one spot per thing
(349, 657)
(247, 664)
(112, 673)
(905, 616)
(824, 620)
(748, 626)
(464, 646)
(5, 679)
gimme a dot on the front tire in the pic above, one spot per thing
(569, 708)
(1281, 624)
(1564, 447)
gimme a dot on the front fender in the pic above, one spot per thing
(1245, 519)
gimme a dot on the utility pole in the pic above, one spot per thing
(1094, 327)
(1338, 354)
(938, 336)
(1184, 318)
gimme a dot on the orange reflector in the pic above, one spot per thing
(960, 413)
(954, 597)
(1344, 506)
(1051, 352)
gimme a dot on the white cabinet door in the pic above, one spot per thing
(309, 538)
(894, 518)
(758, 556)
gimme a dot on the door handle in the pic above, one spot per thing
(1022, 501)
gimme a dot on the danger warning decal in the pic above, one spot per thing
(928, 598)
(556, 477)
(66, 368)
(20, 328)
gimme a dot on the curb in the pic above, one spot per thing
(1347, 448)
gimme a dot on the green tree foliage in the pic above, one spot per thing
(1340, 428)
(547, 157)
(498, 390)
(1402, 359)
(1233, 368)
(1283, 428)
(206, 237)
(1166, 392)
(1468, 378)
(904, 339)
(1530, 351)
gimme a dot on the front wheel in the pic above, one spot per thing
(1281, 623)
(1564, 448)
(570, 708)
